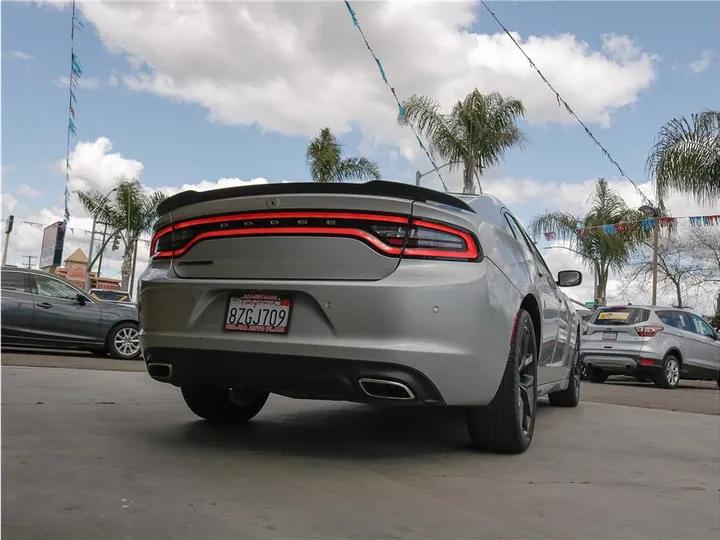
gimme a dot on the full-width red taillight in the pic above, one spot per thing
(649, 330)
(390, 235)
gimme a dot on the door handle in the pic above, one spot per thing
(44, 305)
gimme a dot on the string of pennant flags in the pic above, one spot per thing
(73, 81)
(647, 224)
(401, 110)
(73, 230)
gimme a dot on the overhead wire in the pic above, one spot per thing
(401, 110)
(561, 101)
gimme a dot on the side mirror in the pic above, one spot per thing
(81, 299)
(569, 278)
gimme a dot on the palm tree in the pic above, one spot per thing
(686, 157)
(129, 215)
(599, 250)
(326, 164)
(475, 134)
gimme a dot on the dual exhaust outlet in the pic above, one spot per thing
(384, 389)
(375, 388)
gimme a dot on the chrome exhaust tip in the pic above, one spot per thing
(161, 372)
(382, 389)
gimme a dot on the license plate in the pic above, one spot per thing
(262, 313)
(610, 336)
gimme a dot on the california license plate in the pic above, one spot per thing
(610, 336)
(263, 313)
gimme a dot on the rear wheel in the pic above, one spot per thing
(507, 423)
(217, 404)
(669, 376)
(597, 376)
(570, 397)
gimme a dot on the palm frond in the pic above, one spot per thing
(358, 168)
(686, 157)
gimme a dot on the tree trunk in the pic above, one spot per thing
(468, 184)
(601, 292)
(126, 266)
(679, 294)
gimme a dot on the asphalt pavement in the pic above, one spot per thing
(104, 454)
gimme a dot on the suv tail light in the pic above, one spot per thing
(394, 236)
(649, 330)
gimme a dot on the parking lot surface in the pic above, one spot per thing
(105, 454)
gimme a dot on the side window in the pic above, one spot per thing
(54, 288)
(530, 244)
(667, 318)
(15, 281)
(701, 327)
(513, 229)
(684, 322)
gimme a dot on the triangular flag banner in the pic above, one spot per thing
(549, 236)
(609, 229)
(648, 224)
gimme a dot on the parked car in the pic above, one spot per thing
(43, 310)
(585, 315)
(378, 293)
(661, 344)
(109, 295)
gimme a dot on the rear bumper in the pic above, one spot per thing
(333, 379)
(618, 363)
(443, 329)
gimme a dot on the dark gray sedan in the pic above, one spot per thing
(43, 310)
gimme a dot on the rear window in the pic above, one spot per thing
(620, 315)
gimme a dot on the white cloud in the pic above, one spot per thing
(20, 55)
(702, 63)
(28, 191)
(8, 168)
(83, 83)
(294, 67)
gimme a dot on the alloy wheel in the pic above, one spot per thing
(672, 372)
(127, 341)
(527, 372)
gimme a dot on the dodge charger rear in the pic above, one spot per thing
(373, 293)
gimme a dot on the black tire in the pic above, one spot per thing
(114, 346)
(498, 427)
(223, 405)
(570, 397)
(597, 376)
(669, 376)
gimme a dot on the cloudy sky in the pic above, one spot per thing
(201, 94)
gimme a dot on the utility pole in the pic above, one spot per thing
(29, 258)
(8, 229)
(648, 209)
(102, 250)
(91, 261)
(132, 271)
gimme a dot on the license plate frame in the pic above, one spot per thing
(278, 300)
(609, 335)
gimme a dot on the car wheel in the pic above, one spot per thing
(597, 376)
(217, 404)
(669, 376)
(124, 341)
(570, 397)
(583, 371)
(507, 423)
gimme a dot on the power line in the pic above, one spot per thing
(401, 110)
(564, 103)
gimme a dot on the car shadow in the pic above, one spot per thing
(354, 432)
(684, 384)
(44, 352)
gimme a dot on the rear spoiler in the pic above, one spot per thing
(380, 188)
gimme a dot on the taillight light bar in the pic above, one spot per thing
(390, 235)
(648, 330)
